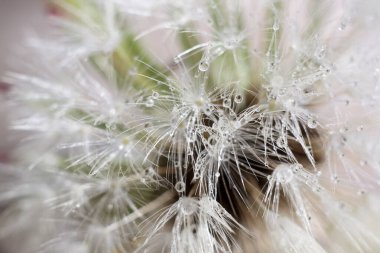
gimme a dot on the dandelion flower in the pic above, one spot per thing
(195, 126)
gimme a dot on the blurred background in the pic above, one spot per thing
(17, 19)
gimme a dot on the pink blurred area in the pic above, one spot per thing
(17, 18)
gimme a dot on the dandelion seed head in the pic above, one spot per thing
(255, 132)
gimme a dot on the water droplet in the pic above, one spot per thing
(335, 179)
(316, 188)
(217, 174)
(149, 102)
(281, 142)
(276, 26)
(238, 98)
(203, 66)
(221, 211)
(191, 137)
(231, 44)
(312, 123)
(188, 206)
(155, 95)
(177, 59)
(300, 212)
(208, 110)
(297, 167)
(150, 171)
(321, 52)
(360, 128)
(180, 186)
(227, 102)
(212, 140)
(290, 103)
(284, 173)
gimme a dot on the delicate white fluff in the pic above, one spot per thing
(200, 225)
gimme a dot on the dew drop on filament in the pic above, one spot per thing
(281, 142)
(238, 98)
(284, 173)
(276, 26)
(155, 95)
(180, 186)
(203, 66)
(188, 206)
(208, 110)
(149, 102)
(177, 59)
(311, 123)
(227, 102)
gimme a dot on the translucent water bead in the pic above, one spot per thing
(283, 173)
(155, 95)
(281, 142)
(312, 123)
(227, 102)
(238, 98)
(188, 205)
(149, 102)
(180, 186)
(276, 26)
(203, 65)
